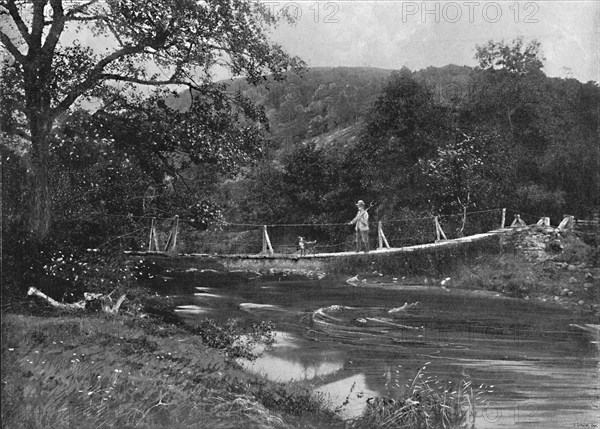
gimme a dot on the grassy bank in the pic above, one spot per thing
(514, 277)
(100, 371)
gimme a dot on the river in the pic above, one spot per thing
(528, 363)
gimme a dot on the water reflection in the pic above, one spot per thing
(288, 361)
(284, 368)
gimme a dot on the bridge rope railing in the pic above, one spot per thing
(175, 234)
(182, 235)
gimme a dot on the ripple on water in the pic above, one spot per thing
(191, 309)
(249, 306)
(207, 295)
(356, 324)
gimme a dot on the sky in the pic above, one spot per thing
(417, 34)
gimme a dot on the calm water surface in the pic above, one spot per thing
(532, 367)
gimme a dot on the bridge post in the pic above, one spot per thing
(518, 222)
(439, 232)
(545, 221)
(567, 223)
(152, 240)
(381, 237)
(267, 248)
(172, 240)
(503, 218)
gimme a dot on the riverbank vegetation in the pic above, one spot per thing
(94, 370)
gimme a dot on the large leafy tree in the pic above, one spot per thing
(551, 127)
(175, 43)
(515, 57)
(570, 163)
(508, 85)
(404, 127)
(471, 171)
(219, 132)
(305, 187)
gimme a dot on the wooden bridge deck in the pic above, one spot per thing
(318, 260)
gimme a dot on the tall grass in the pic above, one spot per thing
(426, 404)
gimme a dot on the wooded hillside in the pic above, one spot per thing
(486, 138)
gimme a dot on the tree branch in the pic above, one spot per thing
(114, 32)
(58, 25)
(70, 16)
(93, 77)
(80, 305)
(105, 301)
(14, 51)
(37, 24)
(170, 81)
(106, 105)
(80, 8)
(23, 134)
(173, 170)
(78, 19)
(14, 13)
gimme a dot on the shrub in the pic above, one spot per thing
(517, 289)
(232, 338)
(291, 399)
(594, 257)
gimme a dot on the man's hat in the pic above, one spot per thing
(360, 203)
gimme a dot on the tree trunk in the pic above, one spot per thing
(39, 184)
(39, 208)
(37, 70)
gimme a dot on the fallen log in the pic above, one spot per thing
(91, 300)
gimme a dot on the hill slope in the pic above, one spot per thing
(319, 102)
(326, 105)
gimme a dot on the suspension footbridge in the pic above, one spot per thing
(255, 246)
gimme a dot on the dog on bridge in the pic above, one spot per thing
(306, 246)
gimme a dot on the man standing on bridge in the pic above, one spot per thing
(362, 226)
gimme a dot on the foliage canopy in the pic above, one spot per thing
(152, 43)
